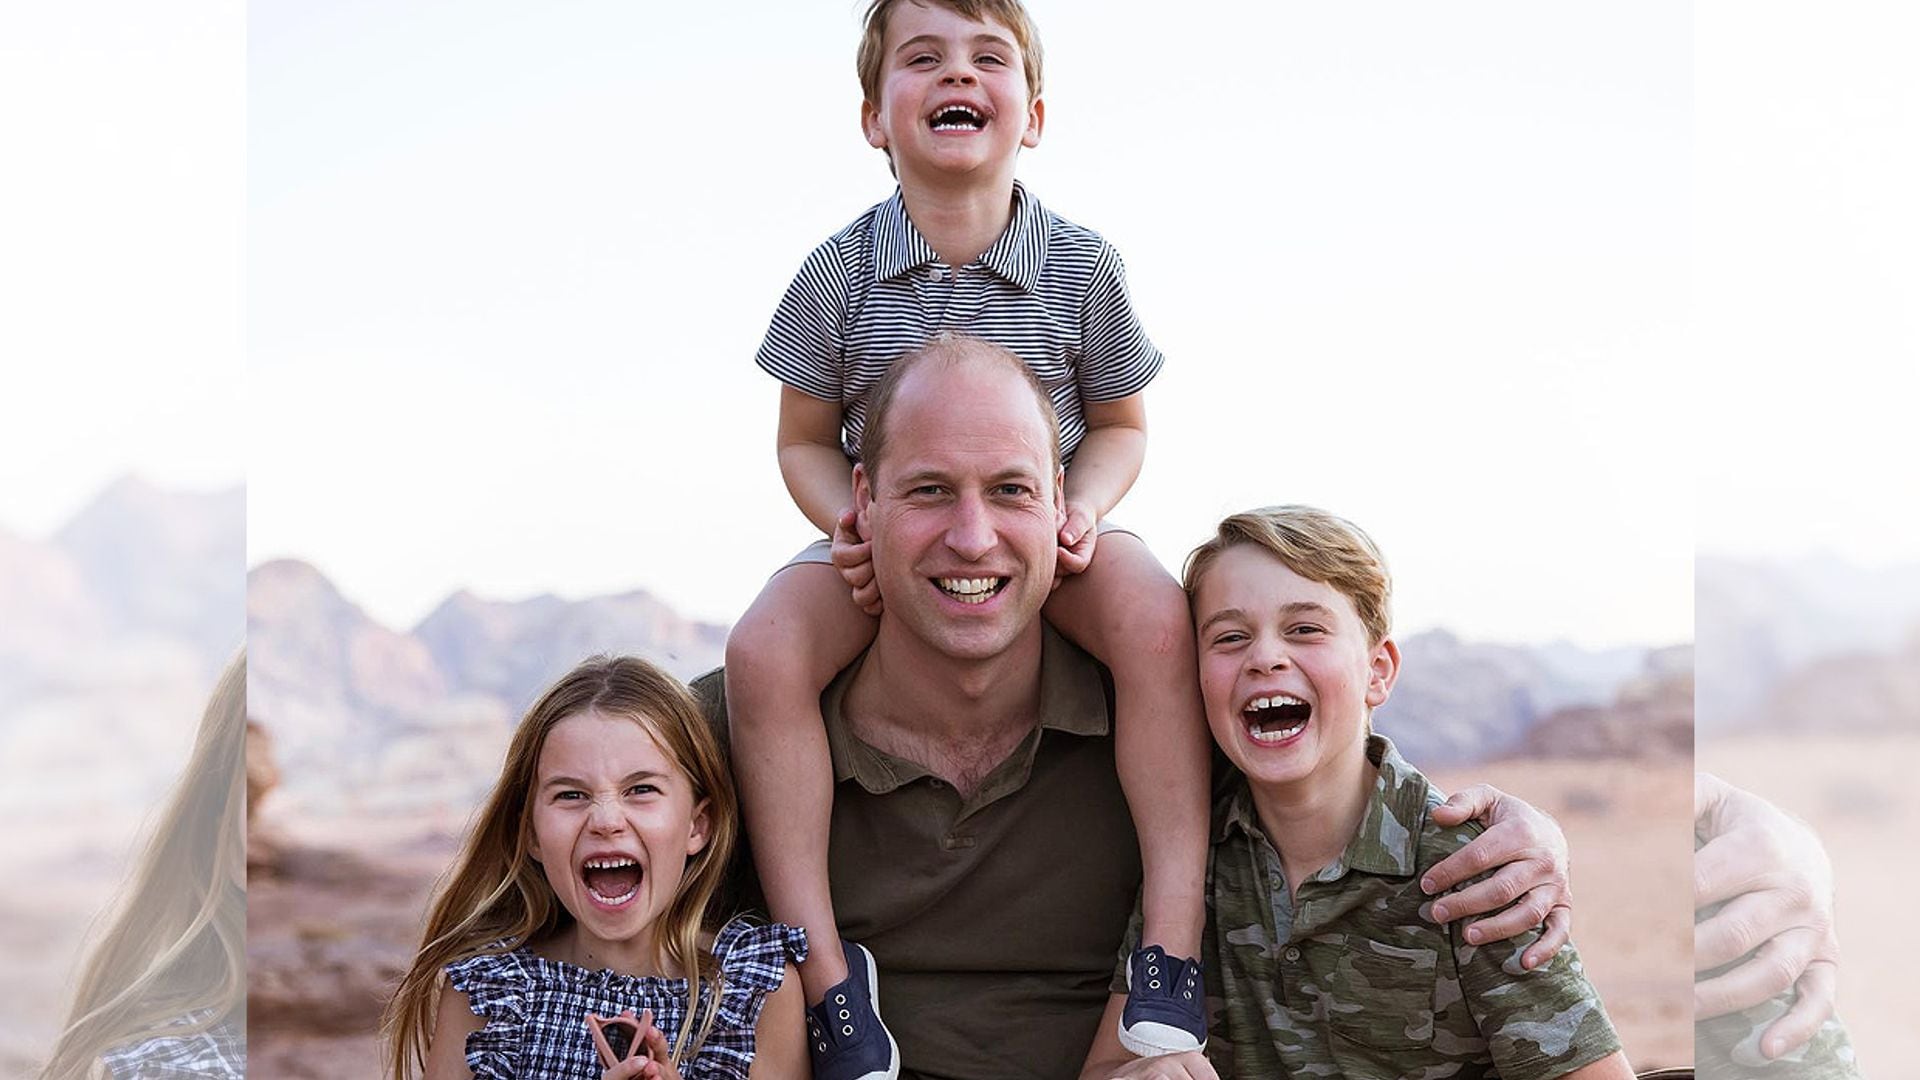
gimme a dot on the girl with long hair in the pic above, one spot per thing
(575, 935)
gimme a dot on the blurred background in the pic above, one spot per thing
(1807, 316)
(122, 520)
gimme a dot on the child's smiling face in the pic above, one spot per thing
(1287, 672)
(614, 822)
(954, 98)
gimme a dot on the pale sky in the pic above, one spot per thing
(505, 268)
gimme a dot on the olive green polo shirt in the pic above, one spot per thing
(1348, 979)
(993, 918)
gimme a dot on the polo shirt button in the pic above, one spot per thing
(936, 274)
(1292, 955)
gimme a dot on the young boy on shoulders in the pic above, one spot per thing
(1318, 954)
(951, 95)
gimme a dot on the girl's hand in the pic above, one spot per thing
(853, 557)
(659, 1067)
(1077, 535)
(647, 1058)
(629, 1028)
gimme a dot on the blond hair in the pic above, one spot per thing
(871, 58)
(1318, 546)
(173, 961)
(497, 899)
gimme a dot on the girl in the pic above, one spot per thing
(582, 893)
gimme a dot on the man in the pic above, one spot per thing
(981, 846)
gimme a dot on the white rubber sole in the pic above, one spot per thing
(1149, 1039)
(892, 1071)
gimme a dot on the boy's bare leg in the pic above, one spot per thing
(1128, 611)
(800, 632)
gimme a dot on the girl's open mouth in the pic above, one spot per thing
(612, 880)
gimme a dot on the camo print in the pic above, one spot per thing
(1352, 982)
(1728, 1047)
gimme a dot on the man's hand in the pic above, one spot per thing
(853, 557)
(1077, 534)
(1770, 874)
(1531, 883)
(1192, 1065)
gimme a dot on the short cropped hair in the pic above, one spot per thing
(1318, 546)
(871, 59)
(950, 348)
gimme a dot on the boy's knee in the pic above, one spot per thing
(1159, 623)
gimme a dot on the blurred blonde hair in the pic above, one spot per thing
(496, 897)
(173, 960)
(871, 58)
(1318, 546)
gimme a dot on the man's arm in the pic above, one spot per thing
(1528, 854)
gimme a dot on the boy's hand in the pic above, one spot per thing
(853, 557)
(1192, 1065)
(1077, 535)
(1771, 876)
(1530, 854)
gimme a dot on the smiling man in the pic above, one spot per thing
(981, 845)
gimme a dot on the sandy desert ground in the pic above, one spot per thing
(1858, 791)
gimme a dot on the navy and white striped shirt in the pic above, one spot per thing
(1053, 293)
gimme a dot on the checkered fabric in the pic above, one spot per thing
(218, 1053)
(536, 1009)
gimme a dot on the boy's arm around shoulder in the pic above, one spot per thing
(780, 1039)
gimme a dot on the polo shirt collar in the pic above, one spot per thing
(1073, 701)
(1388, 837)
(1016, 256)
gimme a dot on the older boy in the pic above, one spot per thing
(1319, 957)
(952, 94)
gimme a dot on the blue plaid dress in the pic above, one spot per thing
(218, 1053)
(536, 1009)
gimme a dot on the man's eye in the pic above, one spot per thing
(1012, 491)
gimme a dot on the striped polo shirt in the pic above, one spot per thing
(1053, 293)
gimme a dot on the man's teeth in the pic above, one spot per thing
(973, 590)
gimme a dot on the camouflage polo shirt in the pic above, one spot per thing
(1351, 981)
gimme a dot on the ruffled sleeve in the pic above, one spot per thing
(496, 985)
(753, 958)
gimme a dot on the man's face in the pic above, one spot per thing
(953, 95)
(964, 512)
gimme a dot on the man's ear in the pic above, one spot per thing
(1036, 120)
(863, 499)
(1382, 669)
(1059, 496)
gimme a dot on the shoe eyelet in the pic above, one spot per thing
(1153, 971)
(846, 1031)
(1154, 985)
(845, 1015)
(1189, 995)
(839, 999)
(823, 1048)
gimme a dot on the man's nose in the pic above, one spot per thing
(971, 534)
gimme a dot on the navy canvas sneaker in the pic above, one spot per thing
(844, 1034)
(1166, 1004)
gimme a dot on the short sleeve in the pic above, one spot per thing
(804, 342)
(1118, 360)
(1541, 1023)
(754, 955)
(496, 986)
